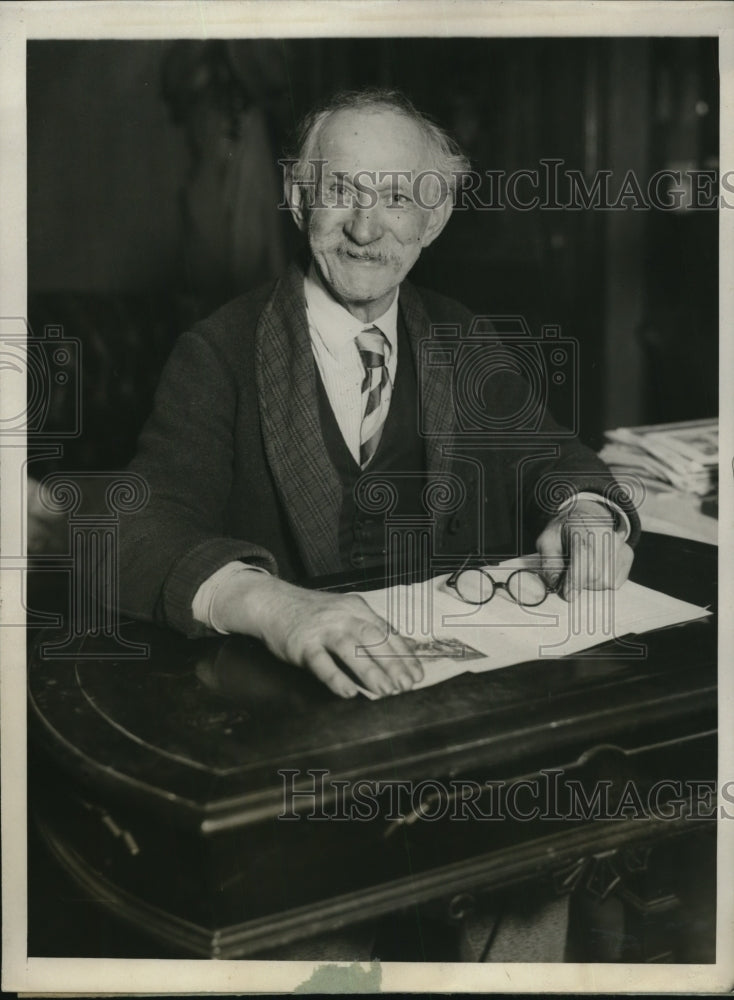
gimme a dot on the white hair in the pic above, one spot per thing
(444, 154)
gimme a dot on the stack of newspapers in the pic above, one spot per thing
(680, 456)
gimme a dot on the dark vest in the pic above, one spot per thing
(362, 534)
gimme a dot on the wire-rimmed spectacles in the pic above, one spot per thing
(475, 585)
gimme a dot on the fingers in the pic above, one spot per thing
(550, 546)
(382, 660)
(392, 652)
(383, 642)
(598, 559)
(322, 666)
(333, 635)
(404, 649)
(576, 574)
(367, 670)
(346, 645)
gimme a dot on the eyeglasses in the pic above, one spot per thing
(477, 586)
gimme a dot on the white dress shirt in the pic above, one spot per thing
(333, 330)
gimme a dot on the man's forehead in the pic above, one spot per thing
(372, 139)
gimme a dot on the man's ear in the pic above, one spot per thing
(296, 195)
(438, 218)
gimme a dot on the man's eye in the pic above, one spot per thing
(399, 200)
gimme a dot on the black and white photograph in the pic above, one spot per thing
(366, 458)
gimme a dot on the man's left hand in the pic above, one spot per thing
(582, 540)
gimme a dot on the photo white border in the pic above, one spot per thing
(332, 18)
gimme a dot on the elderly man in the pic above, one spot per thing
(270, 412)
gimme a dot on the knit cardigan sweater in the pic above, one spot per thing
(236, 465)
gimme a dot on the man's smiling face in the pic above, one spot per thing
(366, 229)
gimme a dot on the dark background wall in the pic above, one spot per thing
(152, 181)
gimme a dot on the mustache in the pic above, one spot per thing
(374, 256)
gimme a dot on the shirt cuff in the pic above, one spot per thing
(201, 606)
(621, 521)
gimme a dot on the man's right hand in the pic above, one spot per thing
(319, 631)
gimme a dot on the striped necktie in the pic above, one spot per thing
(376, 390)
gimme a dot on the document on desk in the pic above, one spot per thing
(452, 637)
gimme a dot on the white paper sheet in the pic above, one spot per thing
(454, 637)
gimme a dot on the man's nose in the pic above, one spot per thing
(364, 225)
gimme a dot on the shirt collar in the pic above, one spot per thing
(334, 324)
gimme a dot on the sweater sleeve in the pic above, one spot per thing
(548, 483)
(185, 456)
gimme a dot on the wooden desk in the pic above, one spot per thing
(156, 783)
